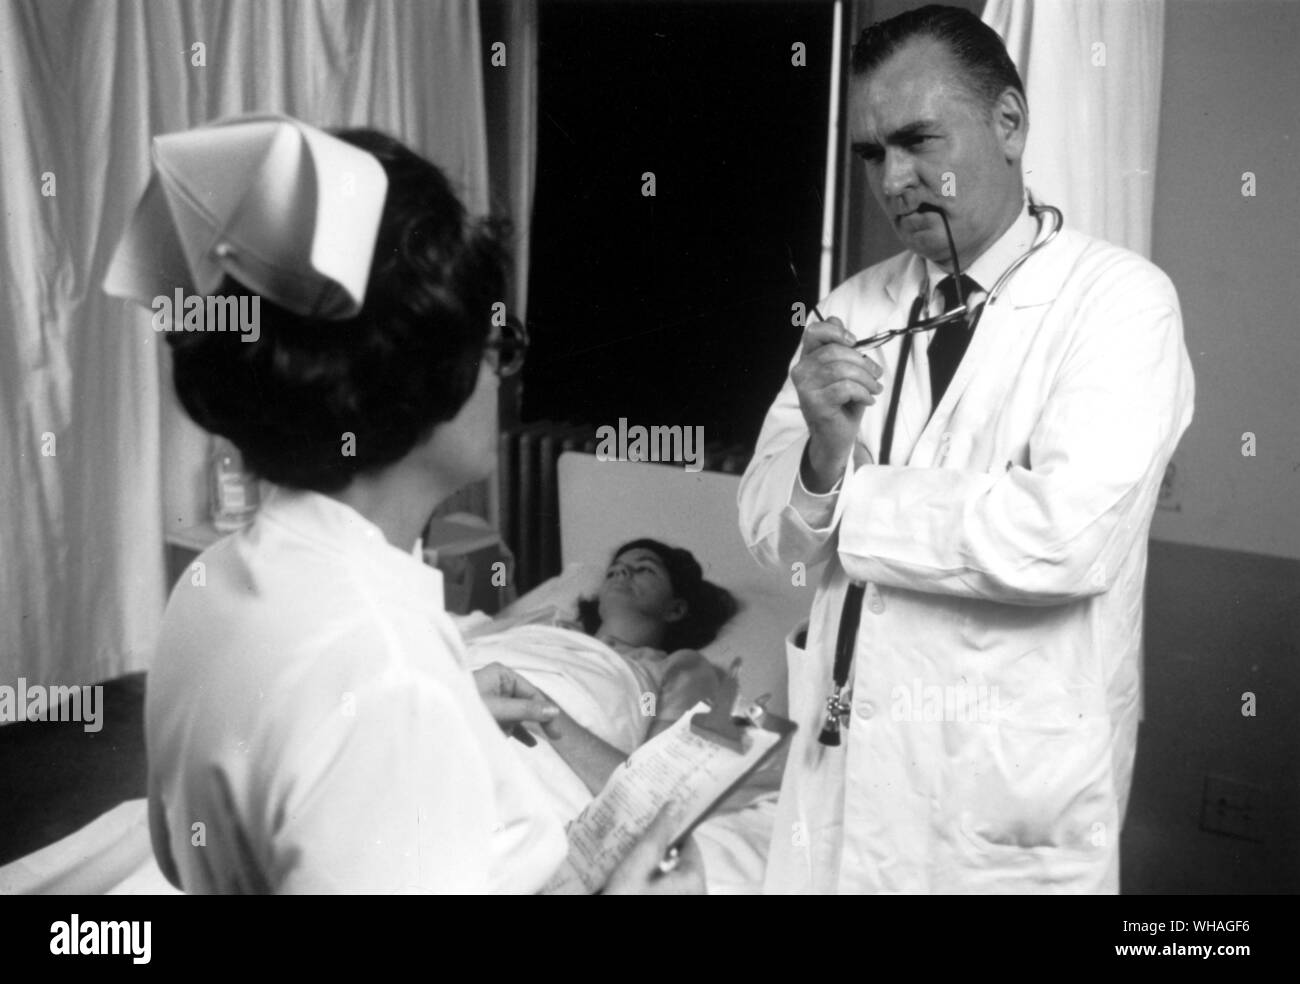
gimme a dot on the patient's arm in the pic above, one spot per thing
(592, 759)
(688, 678)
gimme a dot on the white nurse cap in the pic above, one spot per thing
(286, 209)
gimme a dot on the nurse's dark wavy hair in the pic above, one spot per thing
(405, 363)
(708, 606)
(976, 47)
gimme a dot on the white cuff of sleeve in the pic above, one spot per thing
(817, 509)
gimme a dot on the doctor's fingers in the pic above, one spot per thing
(819, 333)
(822, 337)
(834, 380)
(832, 354)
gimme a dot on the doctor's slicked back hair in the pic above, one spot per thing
(976, 48)
(405, 363)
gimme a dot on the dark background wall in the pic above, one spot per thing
(674, 309)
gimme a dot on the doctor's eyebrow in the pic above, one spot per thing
(903, 135)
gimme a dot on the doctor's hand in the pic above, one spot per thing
(835, 383)
(640, 874)
(512, 700)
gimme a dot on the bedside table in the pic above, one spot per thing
(478, 569)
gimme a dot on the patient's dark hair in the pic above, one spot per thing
(975, 47)
(708, 606)
(406, 362)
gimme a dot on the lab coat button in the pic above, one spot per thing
(876, 604)
(866, 710)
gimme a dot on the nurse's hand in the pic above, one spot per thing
(512, 700)
(639, 874)
(835, 383)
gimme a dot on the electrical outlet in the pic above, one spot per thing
(1234, 809)
(1171, 490)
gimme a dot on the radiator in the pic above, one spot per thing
(528, 499)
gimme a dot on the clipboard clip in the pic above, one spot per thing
(724, 721)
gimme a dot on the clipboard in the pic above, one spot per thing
(697, 764)
(725, 724)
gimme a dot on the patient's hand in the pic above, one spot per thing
(512, 700)
(688, 678)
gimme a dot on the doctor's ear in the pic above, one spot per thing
(1011, 121)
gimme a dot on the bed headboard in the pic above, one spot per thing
(606, 503)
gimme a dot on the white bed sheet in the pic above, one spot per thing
(111, 855)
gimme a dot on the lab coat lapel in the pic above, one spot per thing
(997, 340)
(914, 405)
(1005, 329)
(914, 399)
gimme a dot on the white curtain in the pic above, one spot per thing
(97, 459)
(1092, 71)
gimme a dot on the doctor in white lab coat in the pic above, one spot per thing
(994, 691)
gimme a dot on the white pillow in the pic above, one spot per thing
(579, 580)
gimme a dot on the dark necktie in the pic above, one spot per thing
(950, 340)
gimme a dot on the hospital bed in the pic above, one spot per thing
(602, 505)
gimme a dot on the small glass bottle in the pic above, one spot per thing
(232, 488)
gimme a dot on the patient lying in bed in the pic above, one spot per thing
(627, 668)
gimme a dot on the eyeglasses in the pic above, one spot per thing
(505, 352)
(965, 312)
(960, 313)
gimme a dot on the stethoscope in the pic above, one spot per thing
(967, 311)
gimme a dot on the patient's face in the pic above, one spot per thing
(638, 581)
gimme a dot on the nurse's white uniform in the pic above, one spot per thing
(311, 727)
(995, 686)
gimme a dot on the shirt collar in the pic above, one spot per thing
(994, 261)
(336, 528)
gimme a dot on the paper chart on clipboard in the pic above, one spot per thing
(680, 766)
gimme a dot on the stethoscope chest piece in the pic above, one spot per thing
(837, 717)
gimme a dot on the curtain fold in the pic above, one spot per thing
(101, 461)
(1092, 72)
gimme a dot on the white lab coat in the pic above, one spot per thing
(1004, 549)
